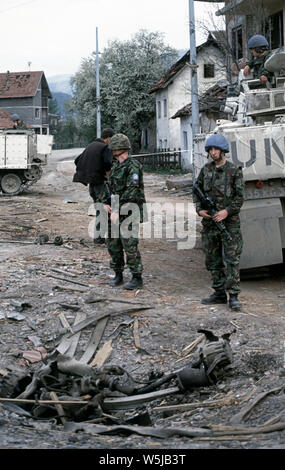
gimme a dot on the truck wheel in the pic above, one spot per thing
(11, 183)
(33, 173)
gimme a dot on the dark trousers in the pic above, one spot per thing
(96, 192)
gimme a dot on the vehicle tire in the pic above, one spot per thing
(11, 183)
(33, 173)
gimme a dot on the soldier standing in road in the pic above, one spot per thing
(259, 48)
(223, 181)
(93, 167)
(126, 182)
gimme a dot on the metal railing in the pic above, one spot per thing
(61, 146)
(165, 159)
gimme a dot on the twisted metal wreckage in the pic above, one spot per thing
(71, 391)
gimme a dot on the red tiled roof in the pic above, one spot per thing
(5, 120)
(19, 84)
(211, 100)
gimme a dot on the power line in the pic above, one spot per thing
(18, 5)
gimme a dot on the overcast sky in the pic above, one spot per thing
(55, 35)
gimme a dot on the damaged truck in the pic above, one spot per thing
(23, 153)
(255, 131)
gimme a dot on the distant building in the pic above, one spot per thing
(209, 111)
(26, 94)
(173, 91)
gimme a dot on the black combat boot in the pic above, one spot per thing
(218, 297)
(234, 303)
(117, 280)
(135, 283)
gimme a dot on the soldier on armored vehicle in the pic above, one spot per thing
(259, 48)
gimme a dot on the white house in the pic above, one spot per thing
(209, 111)
(173, 92)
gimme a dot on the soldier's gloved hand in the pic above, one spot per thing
(204, 214)
(263, 79)
(221, 215)
(246, 70)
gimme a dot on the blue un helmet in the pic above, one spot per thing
(15, 117)
(219, 141)
(258, 41)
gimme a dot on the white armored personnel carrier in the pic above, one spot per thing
(255, 131)
(22, 155)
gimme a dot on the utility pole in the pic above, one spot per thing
(194, 73)
(98, 98)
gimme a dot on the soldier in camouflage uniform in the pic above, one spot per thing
(259, 48)
(125, 181)
(223, 181)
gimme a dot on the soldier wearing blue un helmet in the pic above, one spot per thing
(223, 182)
(259, 48)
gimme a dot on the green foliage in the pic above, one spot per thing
(53, 106)
(128, 69)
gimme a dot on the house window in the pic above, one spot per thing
(209, 70)
(237, 43)
(185, 140)
(159, 109)
(37, 113)
(165, 108)
(44, 112)
(273, 30)
(165, 144)
(160, 144)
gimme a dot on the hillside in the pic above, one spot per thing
(61, 90)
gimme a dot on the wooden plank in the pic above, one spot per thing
(69, 344)
(237, 418)
(136, 334)
(59, 407)
(102, 355)
(91, 320)
(94, 340)
(75, 339)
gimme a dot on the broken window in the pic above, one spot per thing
(165, 108)
(209, 70)
(159, 109)
(237, 43)
(185, 140)
(273, 30)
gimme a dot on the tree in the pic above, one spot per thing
(128, 69)
(235, 29)
(53, 106)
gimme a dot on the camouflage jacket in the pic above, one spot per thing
(226, 187)
(126, 181)
(256, 65)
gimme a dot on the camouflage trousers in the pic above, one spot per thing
(223, 257)
(121, 246)
(96, 192)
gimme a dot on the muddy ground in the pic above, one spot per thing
(43, 285)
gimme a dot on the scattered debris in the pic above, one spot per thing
(20, 306)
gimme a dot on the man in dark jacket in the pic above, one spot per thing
(93, 167)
